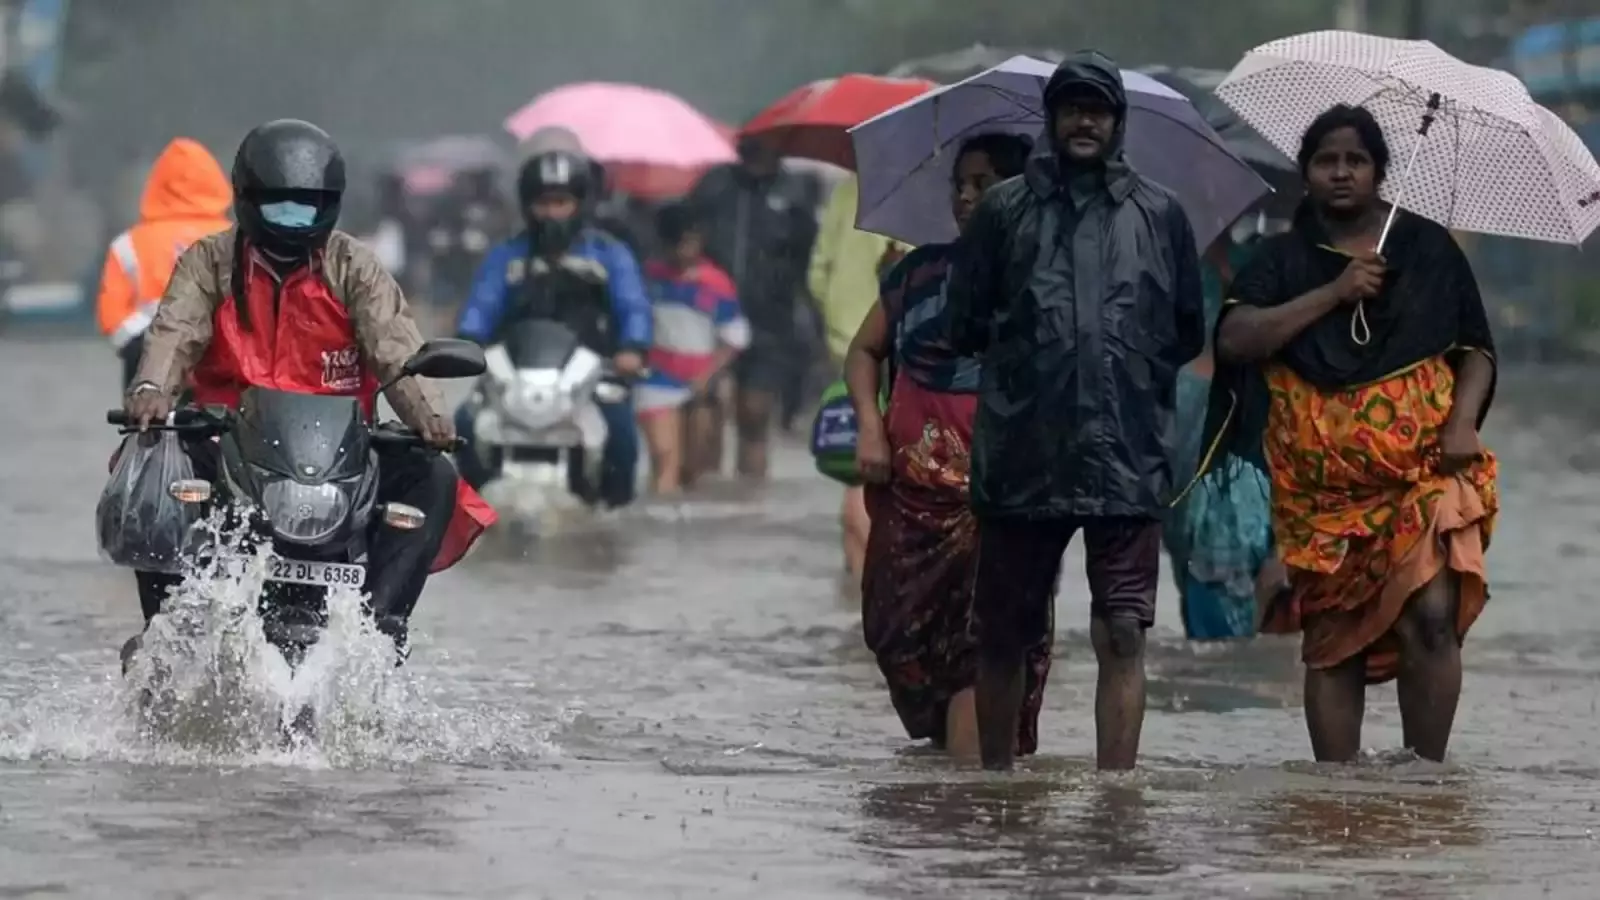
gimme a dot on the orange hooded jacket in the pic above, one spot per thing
(186, 198)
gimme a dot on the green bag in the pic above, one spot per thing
(833, 435)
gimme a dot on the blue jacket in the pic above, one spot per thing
(503, 267)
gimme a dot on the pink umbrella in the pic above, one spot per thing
(650, 139)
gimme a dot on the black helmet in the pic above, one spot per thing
(288, 179)
(555, 170)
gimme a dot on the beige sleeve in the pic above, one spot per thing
(387, 333)
(181, 330)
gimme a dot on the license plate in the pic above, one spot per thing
(320, 574)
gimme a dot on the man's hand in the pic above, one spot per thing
(1459, 446)
(146, 403)
(628, 363)
(438, 432)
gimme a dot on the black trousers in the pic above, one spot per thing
(397, 561)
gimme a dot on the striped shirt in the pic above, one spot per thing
(695, 311)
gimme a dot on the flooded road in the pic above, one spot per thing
(676, 703)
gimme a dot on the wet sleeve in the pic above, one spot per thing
(630, 302)
(892, 288)
(1188, 289)
(974, 278)
(387, 334)
(178, 336)
(486, 301)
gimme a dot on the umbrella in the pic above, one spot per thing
(812, 120)
(905, 154)
(957, 65)
(1199, 86)
(429, 167)
(652, 143)
(1494, 161)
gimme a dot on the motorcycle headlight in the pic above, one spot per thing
(536, 402)
(304, 513)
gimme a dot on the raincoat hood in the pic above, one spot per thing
(1085, 68)
(185, 183)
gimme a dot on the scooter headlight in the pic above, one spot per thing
(304, 513)
(536, 401)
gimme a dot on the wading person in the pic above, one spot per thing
(1079, 286)
(916, 589)
(758, 228)
(699, 330)
(1358, 383)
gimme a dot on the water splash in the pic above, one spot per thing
(207, 688)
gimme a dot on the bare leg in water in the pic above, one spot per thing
(753, 420)
(998, 707)
(1018, 565)
(1430, 666)
(961, 726)
(1119, 691)
(1336, 699)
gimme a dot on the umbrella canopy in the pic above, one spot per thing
(1493, 160)
(1199, 85)
(812, 121)
(958, 65)
(905, 155)
(652, 143)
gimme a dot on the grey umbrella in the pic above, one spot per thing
(958, 65)
(1198, 85)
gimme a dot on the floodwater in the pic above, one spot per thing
(675, 703)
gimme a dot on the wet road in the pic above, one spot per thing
(675, 703)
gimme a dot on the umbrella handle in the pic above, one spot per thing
(1405, 177)
(1360, 331)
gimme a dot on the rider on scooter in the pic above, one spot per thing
(563, 268)
(285, 301)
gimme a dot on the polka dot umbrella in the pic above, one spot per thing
(1478, 154)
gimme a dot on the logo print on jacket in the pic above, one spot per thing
(341, 369)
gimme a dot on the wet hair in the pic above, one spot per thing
(1340, 116)
(673, 221)
(1006, 152)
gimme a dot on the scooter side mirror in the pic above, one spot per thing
(447, 358)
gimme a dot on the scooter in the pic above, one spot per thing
(299, 472)
(535, 419)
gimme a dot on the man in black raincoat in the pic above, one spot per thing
(1079, 287)
(760, 224)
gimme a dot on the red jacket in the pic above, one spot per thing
(302, 339)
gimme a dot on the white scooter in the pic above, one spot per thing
(535, 419)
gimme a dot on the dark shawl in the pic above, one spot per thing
(1429, 306)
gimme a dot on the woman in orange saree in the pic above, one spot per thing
(1358, 383)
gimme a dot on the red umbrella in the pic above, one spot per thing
(811, 120)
